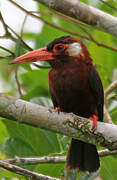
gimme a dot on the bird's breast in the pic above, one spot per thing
(70, 88)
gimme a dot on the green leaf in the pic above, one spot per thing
(36, 90)
(26, 66)
(40, 141)
(3, 132)
(48, 33)
(108, 168)
(16, 147)
(8, 175)
(35, 77)
(54, 170)
(35, 83)
(104, 57)
(43, 101)
(113, 114)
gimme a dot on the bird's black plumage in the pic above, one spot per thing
(97, 90)
(56, 41)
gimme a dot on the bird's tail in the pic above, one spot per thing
(82, 157)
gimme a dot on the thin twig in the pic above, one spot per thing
(110, 88)
(85, 13)
(37, 160)
(22, 42)
(3, 36)
(18, 53)
(107, 115)
(18, 84)
(6, 57)
(4, 25)
(5, 49)
(63, 29)
(89, 37)
(47, 22)
(9, 35)
(51, 159)
(80, 24)
(24, 172)
(22, 29)
(109, 5)
(106, 152)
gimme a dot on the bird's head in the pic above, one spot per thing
(60, 50)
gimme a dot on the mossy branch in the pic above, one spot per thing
(85, 13)
(64, 123)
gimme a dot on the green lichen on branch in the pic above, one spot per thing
(86, 133)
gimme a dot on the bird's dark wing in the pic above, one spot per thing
(96, 89)
(53, 99)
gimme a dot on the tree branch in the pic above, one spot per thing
(107, 115)
(63, 123)
(7, 50)
(10, 36)
(6, 57)
(109, 5)
(84, 13)
(37, 160)
(25, 172)
(51, 159)
(110, 88)
(89, 36)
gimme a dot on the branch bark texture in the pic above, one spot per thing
(51, 159)
(85, 13)
(25, 172)
(63, 123)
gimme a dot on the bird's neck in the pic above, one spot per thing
(58, 62)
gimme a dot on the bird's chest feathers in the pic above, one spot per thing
(66, 80)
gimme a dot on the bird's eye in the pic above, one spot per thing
(59, 47)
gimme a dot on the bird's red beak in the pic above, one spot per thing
(36, 55)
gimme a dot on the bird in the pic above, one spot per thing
(75, 86)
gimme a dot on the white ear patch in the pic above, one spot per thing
(74, 49)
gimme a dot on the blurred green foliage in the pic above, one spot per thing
(25, 141)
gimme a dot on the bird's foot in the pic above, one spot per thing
(57, 109)
(94, 118)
